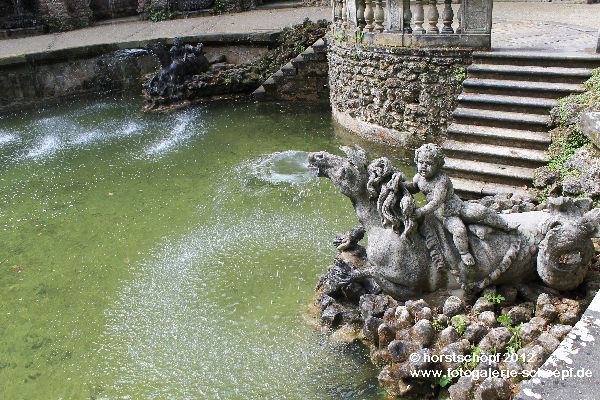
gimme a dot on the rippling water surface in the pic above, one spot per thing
(168, 256)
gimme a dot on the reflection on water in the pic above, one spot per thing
(170, 256)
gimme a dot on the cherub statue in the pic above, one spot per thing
(445, 205)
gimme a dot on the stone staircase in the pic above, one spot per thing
(500, 129)
(303, 78)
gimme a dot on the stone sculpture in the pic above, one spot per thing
(415, 250)
(186, 61)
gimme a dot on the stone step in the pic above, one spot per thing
(311, 55)
(537, 58)
(512, 156)
(298, 62)
(289, 69)
(473, 189)
(320, 46)
(489, 172)
(259, 94)
(529, 73)
(533, 105)
(501, 119)
(550, 90)
(499, 136)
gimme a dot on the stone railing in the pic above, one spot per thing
(424, 23)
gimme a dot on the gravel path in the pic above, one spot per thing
(516, 25)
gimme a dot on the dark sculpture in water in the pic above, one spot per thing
(186, 61)
(449, 244)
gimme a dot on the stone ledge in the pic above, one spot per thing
(396, 49)
(250, 38)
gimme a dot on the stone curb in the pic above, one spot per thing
(579, 351)
(250, 38)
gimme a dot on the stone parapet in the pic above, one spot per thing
(399, 96)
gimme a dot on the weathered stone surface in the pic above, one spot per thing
(529, 332)
(448, 335)
(520, 314)
(424, 313)
(475, 332)
(409, 93)
(482, 304)
(375, 304)
(332, 315)
(560, 331)
(450, 354)
(488, 318)
(509, 293)
(493, 389)
(403, 317)
(534, 356)
(423, 333)
(568, 311)
(544, 176)
(370, 329)
(462, 389)
(453, 306)
(548, 312)
(496, 340)
(415, 306)
(589, 125)
(586, 179)
(385, 334)
(401, 349)
(548, 342)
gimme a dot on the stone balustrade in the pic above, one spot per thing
(421, 23)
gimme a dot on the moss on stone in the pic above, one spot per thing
(567, 138)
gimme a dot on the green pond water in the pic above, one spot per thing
(169, 256)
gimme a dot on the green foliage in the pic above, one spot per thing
(505, 320)
(358, 35)
(437, 325)
(472, 363)
(445, 380)
(515, 343)
(227, 6)
(567, 139)
(161, 16)
(565, 147)
(339, 35)
(460, 73)
(459, 322)
(494, 298)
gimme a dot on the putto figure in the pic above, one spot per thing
(445, 205)
(411, 251)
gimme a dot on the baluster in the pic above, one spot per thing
(369, 14)
(434, 17)
(419, 17)
(338, 10)
(407, 16)
(447, 17)
(360, 13)
(379, 17)
(345, 13)
(459, 27)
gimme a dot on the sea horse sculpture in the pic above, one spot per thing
(411, 252)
